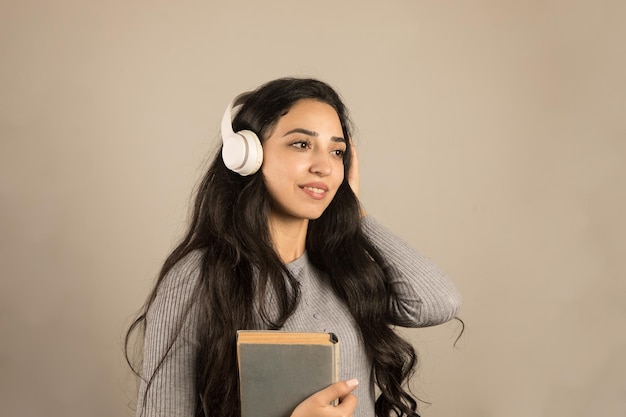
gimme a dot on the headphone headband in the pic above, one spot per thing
(231, 112)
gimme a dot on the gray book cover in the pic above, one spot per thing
(276, 376)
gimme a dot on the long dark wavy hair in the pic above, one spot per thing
(239, 264)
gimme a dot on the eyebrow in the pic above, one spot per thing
(314, 134)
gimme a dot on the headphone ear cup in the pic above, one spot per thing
(242, 152)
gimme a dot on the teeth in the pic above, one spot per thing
(315, 190)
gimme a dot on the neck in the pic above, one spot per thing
(288, 236)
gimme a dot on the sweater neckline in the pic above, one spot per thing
(297, 264)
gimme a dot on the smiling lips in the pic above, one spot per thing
(317, 191)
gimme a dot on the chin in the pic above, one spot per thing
(304, 213)
(315, 214)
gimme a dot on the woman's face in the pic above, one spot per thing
(303, 160)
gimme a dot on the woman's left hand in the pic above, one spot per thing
(354, 178)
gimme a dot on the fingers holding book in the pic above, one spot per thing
(321, 404)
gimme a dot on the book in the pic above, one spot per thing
(278, 370)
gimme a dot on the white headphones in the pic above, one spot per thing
(241, 151)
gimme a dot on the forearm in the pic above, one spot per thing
(425, 295)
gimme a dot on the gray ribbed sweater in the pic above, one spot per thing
(427, 297)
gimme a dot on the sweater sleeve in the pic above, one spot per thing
(426, 296)
(172, 390)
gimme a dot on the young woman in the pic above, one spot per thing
(287, 247)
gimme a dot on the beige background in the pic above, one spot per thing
(492, 136)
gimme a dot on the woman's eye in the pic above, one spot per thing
(339, 153)
(301, 145)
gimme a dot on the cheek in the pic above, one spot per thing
(341, 172)
(273, 170)
(277, 176)
(284, 167)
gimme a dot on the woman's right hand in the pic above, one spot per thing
(320, 403)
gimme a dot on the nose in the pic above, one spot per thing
(321, 163)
